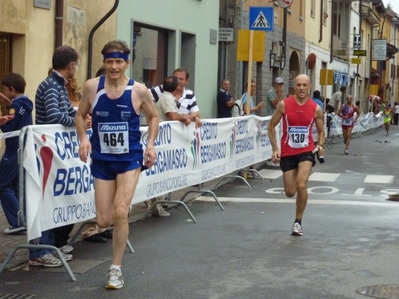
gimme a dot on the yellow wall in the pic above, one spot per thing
(312, 26)
(33, 31)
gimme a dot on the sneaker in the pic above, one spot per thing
(158, 211)
(14, 230)
(251, 175)
(297, 229)
(115, 279)
(346, 152)
(272, 164)
(67, 257)
(108, 234)
(96, 238)
(66, 249)
(47, 260)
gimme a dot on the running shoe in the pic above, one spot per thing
(47, 260)
(14, 230)
(158, 211)
(346, 152)
(66, 256)
(115, 279)
(66, 249)
(297, 229)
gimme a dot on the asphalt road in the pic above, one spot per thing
(246, 251)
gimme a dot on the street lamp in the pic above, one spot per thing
(281, 59)
(272, 58)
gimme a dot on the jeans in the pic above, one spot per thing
(47, 238)
(9, 189)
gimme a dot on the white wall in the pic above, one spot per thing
(190, 16)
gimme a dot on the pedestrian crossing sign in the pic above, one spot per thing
(261, 18)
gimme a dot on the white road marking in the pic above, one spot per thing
(270, 174)
(286, 200)
(323, 177)
(379, 179)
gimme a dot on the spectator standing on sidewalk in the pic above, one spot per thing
(53, 107)
(274, 95)
(115, 102)
(224, 100)
(396, 113)
(251, 102)
(296, 158)
(337, 99)
(167, 105)
(186, 98)
(19, 115)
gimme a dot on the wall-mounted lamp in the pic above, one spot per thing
(272, 58)
(282, 61)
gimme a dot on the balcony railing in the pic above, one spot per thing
(368, 14)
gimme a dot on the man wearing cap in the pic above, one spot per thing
(117, 157)
(274, 95)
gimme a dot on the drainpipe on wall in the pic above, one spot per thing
(240, 64)
(93, 30)
(285, 34)
(59, 22)
(321, 21)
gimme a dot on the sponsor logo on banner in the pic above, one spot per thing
(241, 139)
(262, 136)
(168, 158)
(212, 147)
(44, 160)
(52, 153)
(195, 146)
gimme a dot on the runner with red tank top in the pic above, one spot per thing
(297, 127)
(347, 112)
(297, 115)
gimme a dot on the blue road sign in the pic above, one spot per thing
(261, 18)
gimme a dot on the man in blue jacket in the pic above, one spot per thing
(19, 108)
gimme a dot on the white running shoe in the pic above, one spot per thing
(297, 229)
(47, 260)
(115, 279)
(66, 249)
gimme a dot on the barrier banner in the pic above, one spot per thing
(60, 187)
(364, 123)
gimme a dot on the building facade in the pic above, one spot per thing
(314, 36)
(164, 37)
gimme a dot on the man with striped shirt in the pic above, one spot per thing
(53, 107)
(51, 100)
(187, 103)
